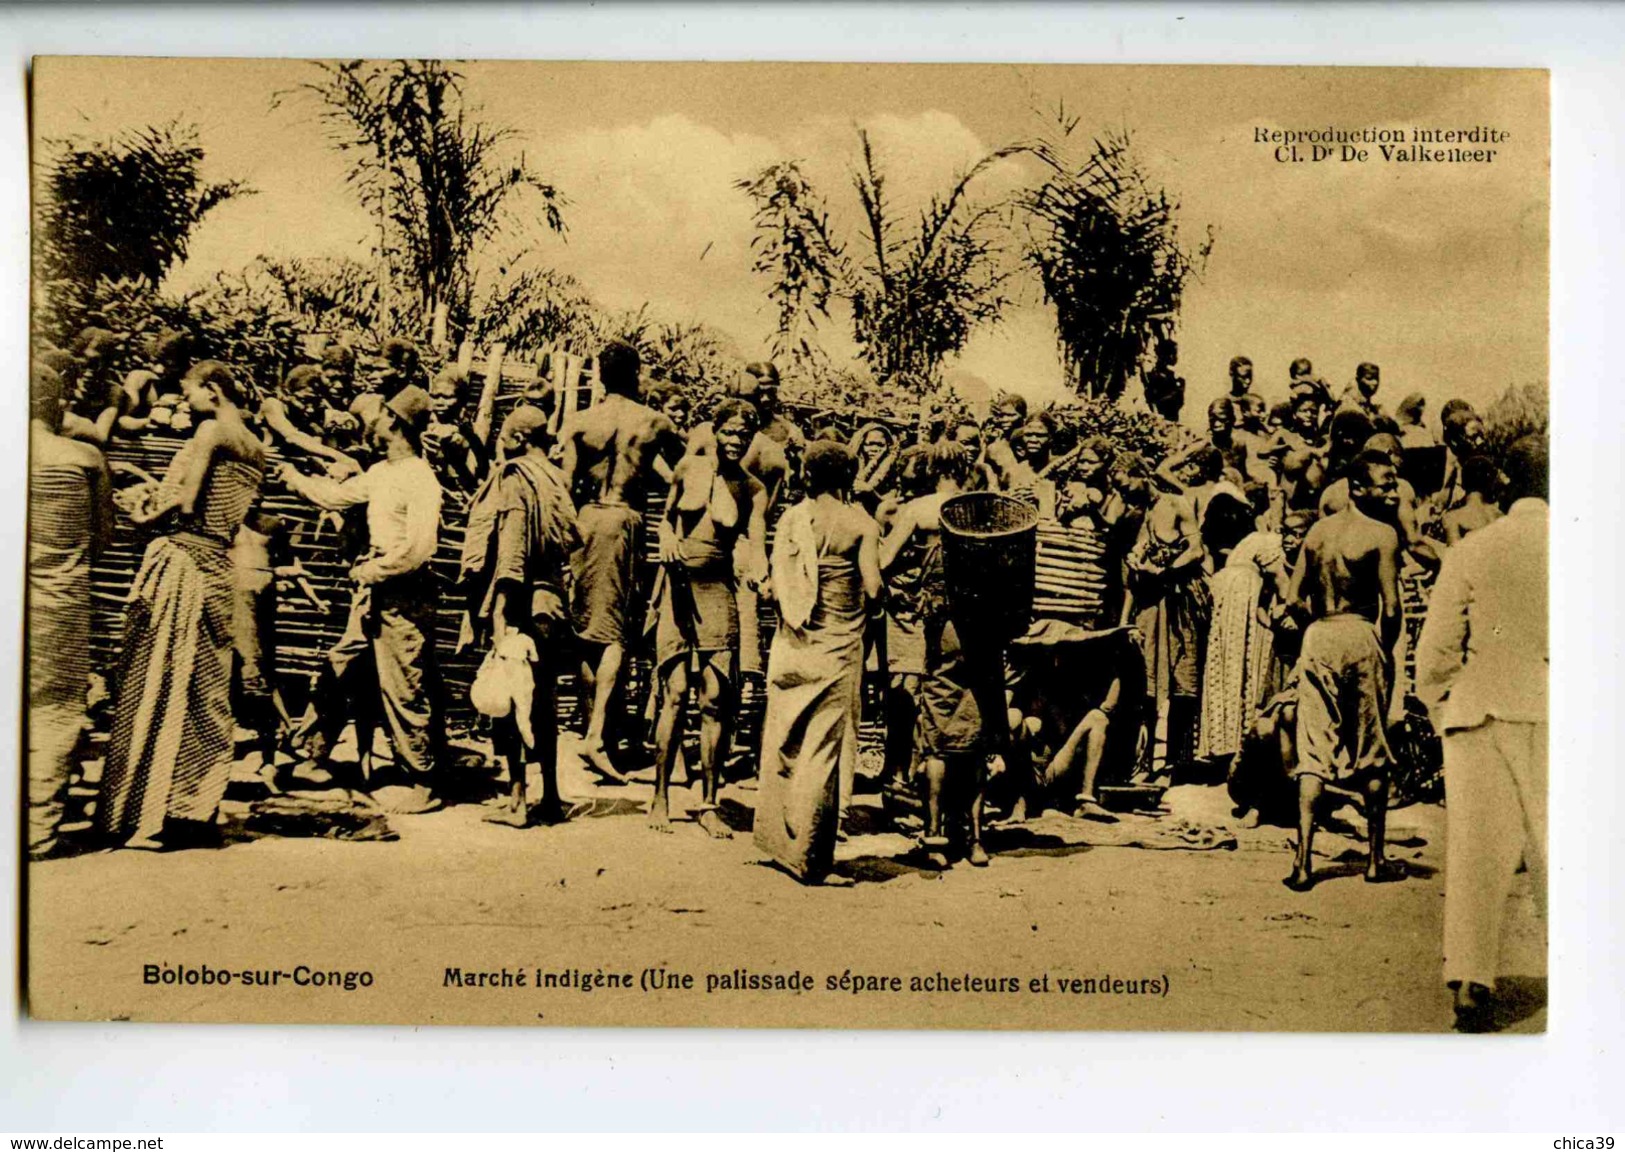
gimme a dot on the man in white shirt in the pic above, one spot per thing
(1481, 669)
(392, 612)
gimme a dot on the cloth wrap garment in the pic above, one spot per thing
(814, 680)
(606, 573)
(522, 532)
(695, 607)
(60, 516)
(170, 753)
(949, 719)
(1172, 612)
(1342, 701)
(1240, 672)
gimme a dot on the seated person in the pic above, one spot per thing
(1083, 710)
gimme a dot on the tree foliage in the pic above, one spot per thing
(530, 309)
(1105, 243)
(426, 165)
(331, 294)
(693, 356)
(1522, 410)
(916, 293)
(793, 246)
(235, 318)
(118, 210)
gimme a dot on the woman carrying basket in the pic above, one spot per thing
(949, 745)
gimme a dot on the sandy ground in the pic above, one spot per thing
(1193, 921)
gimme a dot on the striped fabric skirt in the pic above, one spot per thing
(171, 749)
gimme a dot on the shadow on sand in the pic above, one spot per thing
(1014, 840)
(1516, 999)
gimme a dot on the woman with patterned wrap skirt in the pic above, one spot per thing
(171, 749)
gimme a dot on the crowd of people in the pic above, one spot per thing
(1246, 621)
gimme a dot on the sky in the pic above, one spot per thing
(1438, 272)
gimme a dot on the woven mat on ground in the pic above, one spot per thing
(320, 816)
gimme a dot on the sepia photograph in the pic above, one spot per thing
(770, 545)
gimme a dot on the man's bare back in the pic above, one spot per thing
(616, 445)
(1350, 565)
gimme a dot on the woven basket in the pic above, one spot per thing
(989, 542)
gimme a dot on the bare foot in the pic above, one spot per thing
(507, 816)
(834, 881)
(405, 799)
(711, 821)
(1300, 880)
(1088, 809)
(1385, 872)
(977, 856)
(1018, 811)
(659, 816)
(306, 774)
(596, 759)
(144, 844)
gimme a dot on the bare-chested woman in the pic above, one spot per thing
(171, 748)
(1170, 606)
(711, 534)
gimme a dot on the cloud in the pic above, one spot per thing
(654, 215)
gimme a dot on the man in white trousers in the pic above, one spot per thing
(1481, 668)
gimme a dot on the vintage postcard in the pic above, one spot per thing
(791, 545)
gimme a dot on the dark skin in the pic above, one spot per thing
(544, 719)
(283, 415)
(221, 435)
(91, 388)
(923, 516)
(465, 449)
(1285, 625)
(614, 448)
(1350, 565)
(1172, 518)
(690, 514)
(1000, 443)
(1088, 737)
(774, 455)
